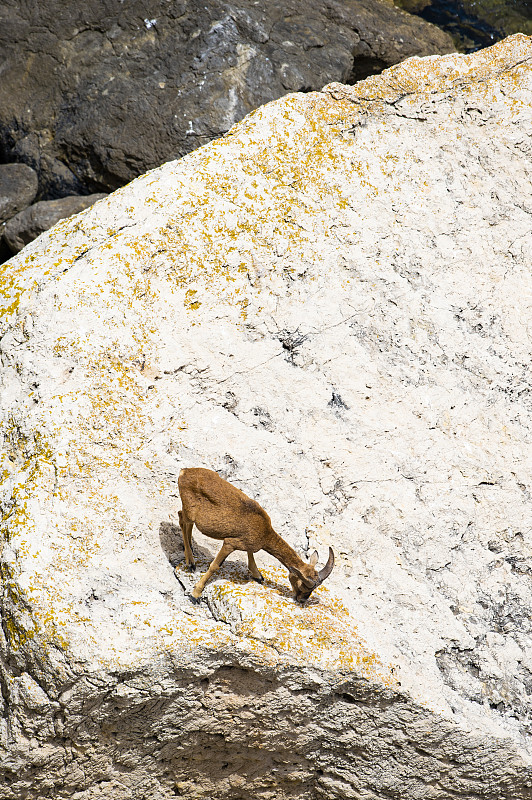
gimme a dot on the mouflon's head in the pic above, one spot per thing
(308, 578)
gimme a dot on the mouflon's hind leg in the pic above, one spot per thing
(186, 532)
(255, 573)
(216, 563)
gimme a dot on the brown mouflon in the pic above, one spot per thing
(221, 511)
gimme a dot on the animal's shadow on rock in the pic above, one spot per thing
(172, 545)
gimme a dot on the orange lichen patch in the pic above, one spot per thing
(110, 411)
(100, 441)
(320, 633)
(503, 63)
(23, 274)
(12, 287)
(214, 234)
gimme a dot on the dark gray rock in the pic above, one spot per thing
(475, 23)
(112, 90)
(5, 252)
(18, 187)
(30, 223)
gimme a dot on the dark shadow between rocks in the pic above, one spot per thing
(364, 67)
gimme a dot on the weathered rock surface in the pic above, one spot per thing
(332, 307)
(30, 223)
(95, 97)
(18, 187)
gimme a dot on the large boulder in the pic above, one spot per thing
(331, 307)
(94, 97)
(30, 223)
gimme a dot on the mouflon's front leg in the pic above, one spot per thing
(227, 549)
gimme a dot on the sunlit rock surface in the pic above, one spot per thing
(331, 306)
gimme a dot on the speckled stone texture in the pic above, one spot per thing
(331, 306)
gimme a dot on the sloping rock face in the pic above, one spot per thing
(331, 307)
(96, 96)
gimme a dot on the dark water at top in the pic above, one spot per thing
(474, 23)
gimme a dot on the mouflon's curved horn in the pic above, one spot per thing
(327, 569)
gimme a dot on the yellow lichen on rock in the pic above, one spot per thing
(320, 633)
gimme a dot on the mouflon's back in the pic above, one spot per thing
(217, 508)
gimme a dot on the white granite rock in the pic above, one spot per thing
(331, 306)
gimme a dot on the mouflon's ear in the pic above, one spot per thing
(313, 560)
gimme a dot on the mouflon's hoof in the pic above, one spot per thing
(195, 600)
(190, 567)
(259, 580)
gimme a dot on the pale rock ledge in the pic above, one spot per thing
(332, 307)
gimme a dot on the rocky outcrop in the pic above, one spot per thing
(331, 307)
(109, 93)
(34, 220)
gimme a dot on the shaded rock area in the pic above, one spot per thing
(20, 221)
(34, 220)
(331, 307)
(18, 187)
(474, 23)
(111, 90)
